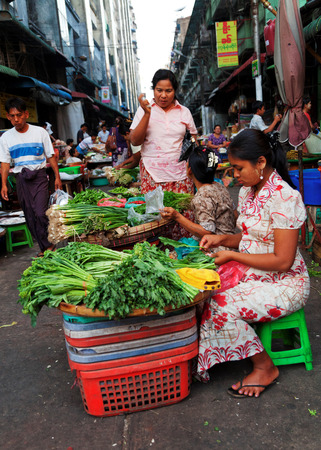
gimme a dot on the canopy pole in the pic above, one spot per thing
(268, 6)
(256, 38)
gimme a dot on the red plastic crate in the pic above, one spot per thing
(132, 388)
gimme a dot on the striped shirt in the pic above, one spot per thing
(29, 149)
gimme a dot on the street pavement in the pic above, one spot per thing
(41, 407)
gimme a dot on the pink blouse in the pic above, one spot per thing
(162, 146)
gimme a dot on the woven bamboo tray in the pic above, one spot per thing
(81, 310)
(136, 234)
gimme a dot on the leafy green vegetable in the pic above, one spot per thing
(89, 196)
(125, 193)
(175, 244)
(146, 279)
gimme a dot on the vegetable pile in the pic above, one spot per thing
(89, 196)
(75, 219)
(121, 191)
(107, 280)
(121, 176)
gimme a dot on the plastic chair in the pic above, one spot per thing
(293, 331)
(27, 236)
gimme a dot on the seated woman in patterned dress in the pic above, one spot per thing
(274, 281)
(212, 205)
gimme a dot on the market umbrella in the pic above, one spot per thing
(289, 62)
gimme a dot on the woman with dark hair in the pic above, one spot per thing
(212, 205)
(273, 280)
(217, 140)
(159, 127)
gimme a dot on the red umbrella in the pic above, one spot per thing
(289, 62)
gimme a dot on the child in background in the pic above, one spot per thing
(69, 146)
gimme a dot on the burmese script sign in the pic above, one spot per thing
(226, 44)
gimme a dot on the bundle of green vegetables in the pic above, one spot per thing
(111, 281)
(88, 196)
(123, 192)
(75, 219)
(178, 201)
(121, 176)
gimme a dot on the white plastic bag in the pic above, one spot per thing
(135, 219)
(154, 200)
(59, 197)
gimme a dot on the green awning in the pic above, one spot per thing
(8, 71)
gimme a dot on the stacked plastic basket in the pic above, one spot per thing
(132, 364)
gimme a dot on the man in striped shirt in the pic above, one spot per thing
(29, 148)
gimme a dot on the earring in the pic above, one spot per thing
(261, 176)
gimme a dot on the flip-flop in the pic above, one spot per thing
(235, 392)
(40, 255)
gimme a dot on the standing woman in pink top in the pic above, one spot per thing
(159, 127)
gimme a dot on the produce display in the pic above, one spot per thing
(123, 177)
(81, 218)
(292, 154)
(110, 281)
(121, 191)
(175, 200)
(89, 196)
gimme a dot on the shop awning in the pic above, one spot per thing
(30, 82)
(76, 94)
(7, 71)
(108, 108)
(240, 69)
(233, 74)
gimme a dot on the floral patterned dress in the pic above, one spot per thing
(257, 296)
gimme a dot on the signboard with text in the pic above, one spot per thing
(105, 97)
(226, 44)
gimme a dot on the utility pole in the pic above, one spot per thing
(256, 38)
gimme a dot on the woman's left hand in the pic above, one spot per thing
(223, 257)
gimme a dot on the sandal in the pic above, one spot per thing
(40, 255)
(235, 392)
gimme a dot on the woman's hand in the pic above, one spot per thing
(223, 257)
(211, 240)
(144, 103)
(169, 213)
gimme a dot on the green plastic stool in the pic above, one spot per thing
(293, 331)
(11, 229)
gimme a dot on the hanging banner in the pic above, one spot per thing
(226, 44)
(105, 97)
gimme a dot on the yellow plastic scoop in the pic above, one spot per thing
(203, 279)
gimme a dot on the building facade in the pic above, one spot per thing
(59, 54)
(224, 95)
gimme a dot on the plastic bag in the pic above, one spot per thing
(231, 273)
(135, 218)
(183, 251)
(154, 200)
(59, 197)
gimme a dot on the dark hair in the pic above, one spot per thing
(257, 105)
(198, 162)
(306, 99)
(93, 133)
(164, 74)
(84, 125)
(42, 124)
(69, 141)
(250, 145)
(217, 125)
(72, 151)
(123, 128)
(15, 102)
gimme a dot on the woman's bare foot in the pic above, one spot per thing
(263, 374)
